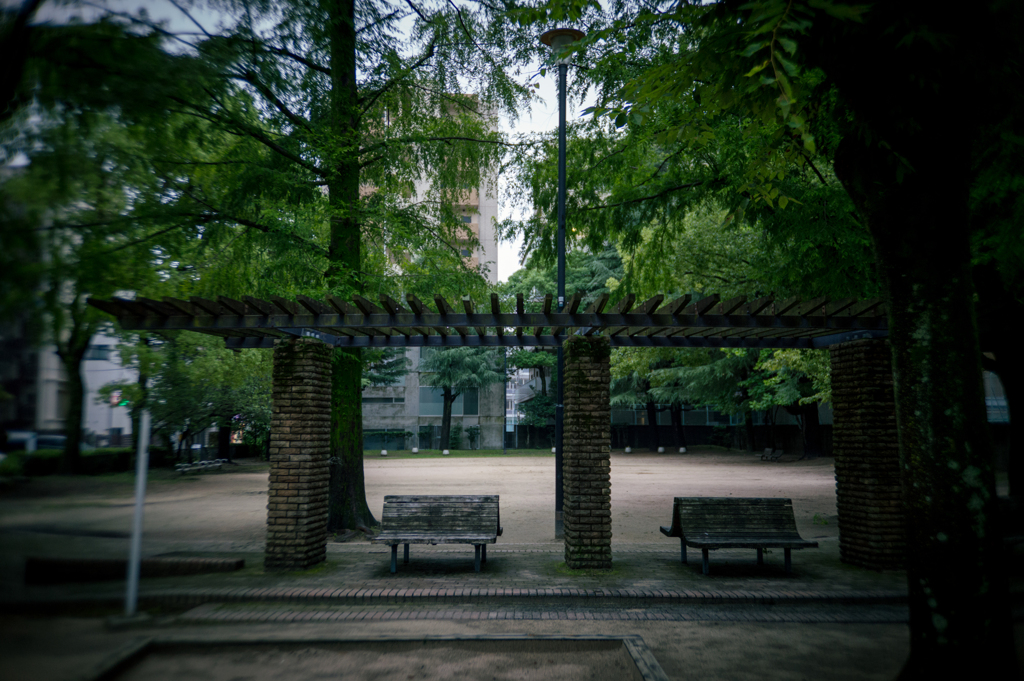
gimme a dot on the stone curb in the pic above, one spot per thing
(496, 596)
(210, 613)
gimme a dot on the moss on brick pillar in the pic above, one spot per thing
(300, 441)
(586, 454)
(866, 448)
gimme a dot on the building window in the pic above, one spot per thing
(467, 218)
(383, 400)
(432, 403)
(465, 253)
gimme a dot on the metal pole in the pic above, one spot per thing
(563, 72)
(131, 597)
(504, 421)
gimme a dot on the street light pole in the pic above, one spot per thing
(559, 39)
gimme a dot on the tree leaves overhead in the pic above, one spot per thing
(683, 129)
(238, 129)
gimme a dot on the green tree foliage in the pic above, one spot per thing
(73, 198)
(308, 147)
(869, 90)
(539, 410)
(592, 272)
(194, 383)
(456, 370)
(541, 360)
(384, 367)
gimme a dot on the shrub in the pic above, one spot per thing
(42, 462)
(12, 466)
(473, 433)
(721, 436)
(455, 436)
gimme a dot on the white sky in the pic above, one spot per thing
(542, 117)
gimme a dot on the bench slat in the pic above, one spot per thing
(439, 499)
(758, 523)
(440, 519)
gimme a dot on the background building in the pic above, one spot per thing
(408, 414)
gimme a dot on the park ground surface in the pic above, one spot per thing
(741, 621)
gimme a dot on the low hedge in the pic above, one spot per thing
(93, 462)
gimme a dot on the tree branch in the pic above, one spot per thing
(417, 10)
(190, 17)
(144, 239)
(370, 25)
(250, 77)
(458, 13)
(411, 139)
(242, 129)
(660, 194)
(390, 84)
(308, 63)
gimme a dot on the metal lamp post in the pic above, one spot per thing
(559, 39)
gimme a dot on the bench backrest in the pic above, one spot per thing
(737, 516)
(451, 514)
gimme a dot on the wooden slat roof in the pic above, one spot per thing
(656, 322)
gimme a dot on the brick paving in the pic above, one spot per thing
(526, 582)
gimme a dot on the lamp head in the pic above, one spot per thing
(558, 39)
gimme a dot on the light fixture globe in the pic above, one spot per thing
(558, 39)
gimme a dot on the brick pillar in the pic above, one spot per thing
(300, 444)
(586, 454)
(866, 448)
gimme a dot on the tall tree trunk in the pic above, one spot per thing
(810, 429)
(347, 502)
(748, 427)
(72, 353)
(224, 443)
(677, 424)
(72, 360)
(446, 416)
(347, 507)
(959, 609)
(652, 426)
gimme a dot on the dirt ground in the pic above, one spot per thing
(422, 661)
(231, 505)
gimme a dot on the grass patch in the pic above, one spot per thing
(455, 453)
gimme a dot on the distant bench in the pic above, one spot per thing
(440, 520)
(198, 466)
(709, 523)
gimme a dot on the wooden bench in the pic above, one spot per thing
(709, 523)
(198, 466)
(440, 520)
(771, 454)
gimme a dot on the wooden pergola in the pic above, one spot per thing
(302, 332)
(360, 322)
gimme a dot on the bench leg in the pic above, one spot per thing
(789, 561)
(760, 556)
(394, 558)
(706, 564)
(405, 559)
(476, 559)
(483, 554)
(682, 543)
